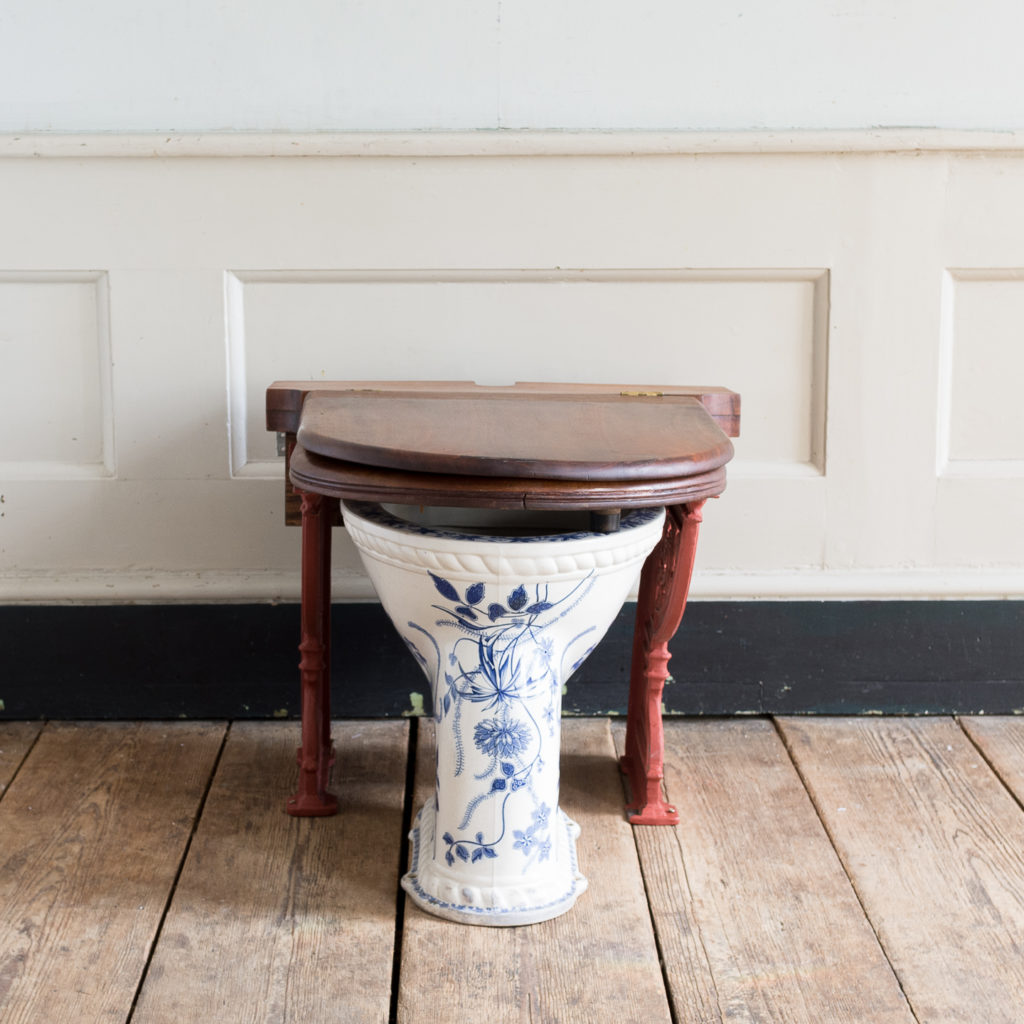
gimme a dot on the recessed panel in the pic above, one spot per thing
(54, 351)
(758, 332)
(985, 367)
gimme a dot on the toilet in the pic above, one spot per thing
(498, 614)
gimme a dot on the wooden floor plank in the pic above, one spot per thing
(597, 962)
(691, 982)
(16, 739)
(92, 832)
(278, 918)
(756, 917)
(935, 847)
(1001, 740)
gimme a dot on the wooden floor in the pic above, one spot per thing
(827, 870)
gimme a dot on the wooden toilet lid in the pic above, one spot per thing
(583, 437)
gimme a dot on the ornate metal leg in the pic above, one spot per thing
(664, 585)
(316, 755)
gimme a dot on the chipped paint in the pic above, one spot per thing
(416, 709)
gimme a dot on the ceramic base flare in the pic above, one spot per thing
(498, 623)
(536, 896)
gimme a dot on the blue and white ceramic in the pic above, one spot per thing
(498, 623)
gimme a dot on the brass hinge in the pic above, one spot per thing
(641, 394)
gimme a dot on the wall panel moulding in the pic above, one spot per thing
(57, 423)
(682, 325)
(504, 143)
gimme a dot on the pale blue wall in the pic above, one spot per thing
(259, 65)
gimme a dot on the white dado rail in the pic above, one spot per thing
(863, 291)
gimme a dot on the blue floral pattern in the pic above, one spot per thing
(534, 839)
(499, 738)
(498, 687)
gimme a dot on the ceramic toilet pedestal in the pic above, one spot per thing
(498, 623)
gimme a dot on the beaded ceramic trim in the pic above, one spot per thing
(468, 555)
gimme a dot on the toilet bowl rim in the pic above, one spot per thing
(375, 514)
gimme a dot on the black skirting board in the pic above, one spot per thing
(729, 657)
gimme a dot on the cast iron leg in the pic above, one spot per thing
(664, 585)
(316, 755)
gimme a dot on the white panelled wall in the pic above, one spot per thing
(867, 304)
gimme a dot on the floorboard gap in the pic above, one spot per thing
(24, 758)
(992, 766)
(647, 896)
(197, 817)
(403, 866)
(831, 838)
